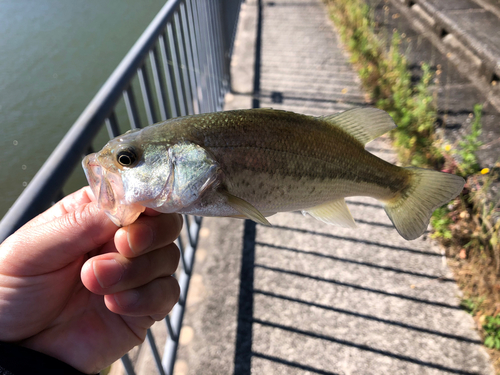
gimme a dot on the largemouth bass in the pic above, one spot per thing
(257, 162)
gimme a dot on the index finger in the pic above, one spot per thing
(148, 233)
(150, 212)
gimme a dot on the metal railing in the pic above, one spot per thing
(179, 66)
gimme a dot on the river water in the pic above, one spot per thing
(54, 57)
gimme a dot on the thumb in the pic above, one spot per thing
(49, 246)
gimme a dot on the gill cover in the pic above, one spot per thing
(192, 171)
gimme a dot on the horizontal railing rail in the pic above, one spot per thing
(179, 66)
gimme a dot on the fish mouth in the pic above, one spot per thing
(93, 172)
(108, 190)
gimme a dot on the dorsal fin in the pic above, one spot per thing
(364, 124)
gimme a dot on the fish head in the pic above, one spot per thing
(127, 176)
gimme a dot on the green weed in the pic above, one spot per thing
(492, 332)
(441, 222)
(471, 305)
(468, 147)
(388, 80)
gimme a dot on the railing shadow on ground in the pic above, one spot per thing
(247, 317)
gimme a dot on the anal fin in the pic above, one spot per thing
(333, 212)
(246, 209)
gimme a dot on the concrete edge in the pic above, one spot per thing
(490, 6)
(243, 59)
(442, 25)
(481, 67)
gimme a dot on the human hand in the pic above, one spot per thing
(76, 287)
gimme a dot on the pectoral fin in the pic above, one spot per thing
(246, 209)
(333, 212)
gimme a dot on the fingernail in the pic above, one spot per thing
(143, 238)
(107, 272)
(127, 298)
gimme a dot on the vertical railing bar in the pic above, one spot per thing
(205, 74)
(222, 57)
(213, 55)
(168, 77)
(146, 95)
(217, 61)
(175, 66)
(170, 351)
(180, 245)
(174, 320)
(193, 235)
(170, 330)
(160, 91)
(130, 104)
(177, 315)
(154, 350)
(227, 32)
(188, 230)
(181, 57)
(183, 64)
(197, 59)
(204, 42)
(213, 67)
(190, 64)
(112, 125)
(129, 368)
(221, 50)
(182, 296)
(187, 220)
(194, 231)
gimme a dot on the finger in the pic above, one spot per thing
(68, 204)
(112, 272)
(52, 245)
(151, 212)
(148, 233)
(154, 299)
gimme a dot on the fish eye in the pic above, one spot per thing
(127, 157)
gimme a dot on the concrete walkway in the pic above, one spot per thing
(303, 297)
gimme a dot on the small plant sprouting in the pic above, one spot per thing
(492, 332)
(469, 146)
(471, 305)
(441, 221)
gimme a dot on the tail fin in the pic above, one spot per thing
(411, 211)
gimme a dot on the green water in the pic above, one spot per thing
(54, 57)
